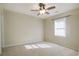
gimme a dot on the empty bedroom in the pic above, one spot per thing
(39, 29)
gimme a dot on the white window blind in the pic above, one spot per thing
(60, 27)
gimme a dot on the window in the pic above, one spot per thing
(59, 27)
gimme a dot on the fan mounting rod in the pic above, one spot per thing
(42, 6)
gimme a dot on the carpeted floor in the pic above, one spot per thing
(38, 49)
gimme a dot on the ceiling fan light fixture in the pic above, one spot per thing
(42, 11)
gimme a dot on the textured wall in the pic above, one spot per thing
(21, 29)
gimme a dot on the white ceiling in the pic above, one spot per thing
(27, 7)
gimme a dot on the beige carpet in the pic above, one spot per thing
(39, 49)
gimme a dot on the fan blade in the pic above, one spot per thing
(52, 7)
(34, 10)
(47, 12)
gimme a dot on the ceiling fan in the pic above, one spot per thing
(43, 10)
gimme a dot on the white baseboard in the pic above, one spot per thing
(10, 45)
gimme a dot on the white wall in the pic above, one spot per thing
(0, 36)
(0, 30)
(21, 28)
(72, 30)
